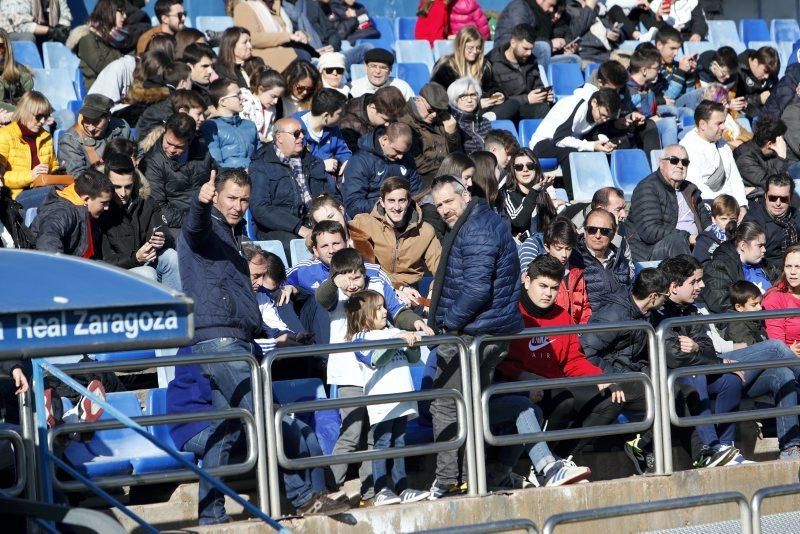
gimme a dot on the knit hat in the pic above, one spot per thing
(435, 95)
(379, 55)
(330, 60)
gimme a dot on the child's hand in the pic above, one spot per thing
(420, 326)
(341, 281)
(411, 337)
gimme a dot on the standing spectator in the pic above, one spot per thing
(262, 102)
(724, 214)
(286, 177)
(713, 168)
(231, 139)
(605, 267)
(32, 20)
(762, 156)
(15, 79)
(302, 82)
(515, 73)
(350, 20)
(434, 131)
(686, 16)
(108, 38)
(379, 66)
(663, 203)
(477, 292)
(323, 137)
(26, 149)
(175, 167)
(779, 219)
(464, 95)
(758, 74)
(369, 111)
(171, 18)
(83, 145)
(382, 154)
(332, 69)
(525, 197)
(200, 59)
(433, 20)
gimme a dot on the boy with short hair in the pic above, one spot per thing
(232, 140)
(746, 297)
(644, 69)
(323, 137)
(724, 210)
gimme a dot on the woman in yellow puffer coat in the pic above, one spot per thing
(26, 149)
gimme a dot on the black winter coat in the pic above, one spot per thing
(719, 274)
(705, 246)
(601, 281)
(705, 355)
(127, 228)
(514, 81)
(783, 92)
(755, 167)
(773, 256)
(61, 226)
(750, 87)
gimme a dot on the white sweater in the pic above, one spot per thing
(706, 158)
(362, 86)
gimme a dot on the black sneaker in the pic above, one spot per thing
(713, 457)
(322, 505)
(643, 461)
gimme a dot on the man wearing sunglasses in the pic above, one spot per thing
(171, 18)
(667, 211)
(780, 221)
(606, 267)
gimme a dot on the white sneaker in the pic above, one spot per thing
(412, 495)
(385, 497)
(566, 472)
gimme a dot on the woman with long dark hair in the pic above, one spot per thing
(235, 48)
(15, 79)
(106, 40)
(302, 81)
(525, 196)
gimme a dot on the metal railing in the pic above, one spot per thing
(505, 525)
(582, 516)
(273, 428)
(767, 493)
(21, 467)
(480, 399)
(666, 375)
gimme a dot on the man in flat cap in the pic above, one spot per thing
(379, 66)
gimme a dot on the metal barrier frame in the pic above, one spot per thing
(21, 466)
(582, 516)
(767, 493)
(664, 373)
(272, 481)
(503, 525)
(477, 399)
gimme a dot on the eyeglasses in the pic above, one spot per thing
(181, 15)
(304, 88)
(471, 96)
(775, 198)
(234, 95)
(673, 160)
(41, 117)
(297, 134)
(472, 48)
(530, 166)
(378, 66)
(333, 70)
(592, 230)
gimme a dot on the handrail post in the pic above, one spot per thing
(474, 467)
(477, 414)
(273, 476)
(28, 437)
(666, 432)
(655, 378)
(262, 477)
(765, 493)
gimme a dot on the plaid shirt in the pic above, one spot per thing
(296, 165)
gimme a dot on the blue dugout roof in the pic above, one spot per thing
(53, 305)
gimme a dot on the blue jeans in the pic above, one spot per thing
(388, 434)
(779, 382)
(33, 197)
(165, 271)
(299, 441)
(727, 392)
(544, 56)
(667, 131)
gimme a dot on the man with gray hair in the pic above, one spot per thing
(476, 292)
(667, 211)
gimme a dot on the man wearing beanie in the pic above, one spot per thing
(435, 131)
(379, 66)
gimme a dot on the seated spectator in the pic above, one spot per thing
(745, 297)
(460, 165)
(713, 168)
(556, 357)
(184, 101)
(758, 74)
(405, 246)
(605, 267)
(464, 95)
(29, 21)
(627, 351)
(740, 258)
(176, 166)
(189, 36)
(272, 38)
(286, 177)
(613, 201)
(302, 82)
(762, 156)
(675, 78)
(724, 214)
(171, 18)
(350, 20)
(686, 16)
(779, 219)
(262, 102)
(515, 73)
(115, 80)
(175, 76)
(324, 139)
(467, 60)
(15, 79)
(484, 178)
(502, 144)
(200, 59)
(784, 295)
(328, 208)
(663, 203)
(332, 70)
(134, 235)
(720, 66)
(644, 69)
(560, 240)
(231, 139)
(106, 39)
(379, 66)
(147, 82)
(369, 111)
(26, 149)
(434, 131)
(790, 115)
(235, 48)
(600, 27)
(66, 222)
(526, 200)
(382, 153)
(569, 126)
(84, 144)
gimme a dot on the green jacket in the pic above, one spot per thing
(95, 54)
(10, 92)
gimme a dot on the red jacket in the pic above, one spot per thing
(434, 25)
(573, 297)
(469, 13)
(786, 329)
(547, 356)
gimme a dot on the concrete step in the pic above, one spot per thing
(788, 523)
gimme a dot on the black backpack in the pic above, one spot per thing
(11, 219)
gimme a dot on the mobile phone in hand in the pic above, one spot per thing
(156, 229)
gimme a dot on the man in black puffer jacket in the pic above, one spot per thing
(667, 212)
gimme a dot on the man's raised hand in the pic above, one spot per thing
(206, 194)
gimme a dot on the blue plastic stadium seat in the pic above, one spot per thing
(722, 32)
(755, 45)
(325, 423)
(442, 48)
(30, 215)
(386, 28)
(75, 106)
(589, 70)
(416, 74)
(249, 225)
(25, 52)
(527, 127)
(590, 172)
(404, 27)
(691, 47)
(377, 43)
(687, 121)
(753, 30)
(414, 51)
(784, 30)
(204, 8)
(142, 354)
(50, 82)
(156, 404)
(89, 464)
(639, 265)
(215, 23)
(58, 56)
(655, 157)
(507, 125)
(276, 247)
(299, 251)
(565, 78)
(628, 168)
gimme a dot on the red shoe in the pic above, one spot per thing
(90, 411)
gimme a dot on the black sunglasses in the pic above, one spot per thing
(675, 159)
(296, 134)
(530, 166)
(775, 198)
(333, 70)
(592, 230)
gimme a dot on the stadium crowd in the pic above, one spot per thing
(420, 218)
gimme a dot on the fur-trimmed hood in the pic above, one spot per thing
(138, 94)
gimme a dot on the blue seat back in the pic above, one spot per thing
(386, 29)
(628, 168)
(442, 47)
(691, 47)
(755, 45)
(416, 74)
(414, 51)
(276, 247)
(58, 56)
(141, 354)
(628, 46)
(639, 265)
(325, 423)
(204, 8)
(51, 82)
(215, 23)
(527, 127)
(784, 30)
(753, 30)
(25, 52)
(590, 172)
(404, 27)
(590, 69)
(104, 442)
(655, 157)
(298, 251)
(722, 32)
(507, 125)
(249, 225)
(565, 78)
(156, 404)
